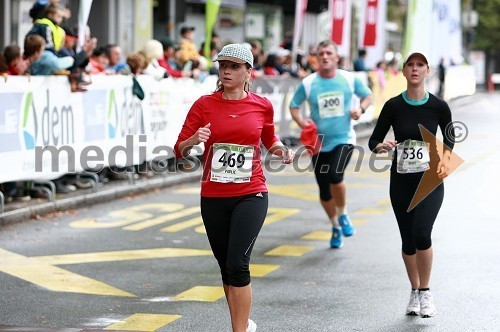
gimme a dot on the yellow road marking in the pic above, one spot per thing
(200, 229)
(385, 201)
(183, 225)
(195, 190)
(143, 322)
(201, 293)
(53, 278)
(301, 191)
(125, 255)
(319, 235)
(286, 250)
(276, 214)
(371, 211)
(125, 216)
(112, 219)
(160, 220)
(273, 215)
(261, 270)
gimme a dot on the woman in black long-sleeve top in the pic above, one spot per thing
(412, 158)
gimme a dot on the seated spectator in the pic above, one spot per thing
(48, 63)
(16, 65)
(116, 64)
(153, 51)
(99, 61)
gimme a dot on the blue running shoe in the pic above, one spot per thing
(336, 240)
(347, 227)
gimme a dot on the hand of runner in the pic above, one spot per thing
(386, 146)
(356, 113)
(443, 170)
(202, 134)
(306, 122)
(288, 155)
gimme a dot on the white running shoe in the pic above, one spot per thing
(251, 326)
(427, 308)
(413, 307)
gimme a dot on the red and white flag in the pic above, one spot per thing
(340, 16)
(372, 30)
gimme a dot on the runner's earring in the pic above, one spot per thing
(247, 85)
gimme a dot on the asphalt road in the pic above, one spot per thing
(143, 262)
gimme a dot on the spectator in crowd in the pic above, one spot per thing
(70, 42)
(313, 57)
(392, 67)
(16, 65)
(116, 64)
(270, 66)
(153, 51)
(188, 50)
(441, 76)
(169, 61)
(380, 71)
(47, 63)
(214, 68)
(50, 28)
(136, 63)
(288, 41)
(34, 46)
(99, 61)
(359, 64)
(76, 77)
(39, 8)
(256, 49)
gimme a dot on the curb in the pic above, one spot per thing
(105, 195)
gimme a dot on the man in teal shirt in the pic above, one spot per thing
(329, 93)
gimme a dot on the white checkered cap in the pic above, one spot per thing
(236, 53)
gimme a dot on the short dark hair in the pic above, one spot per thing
(186, 29)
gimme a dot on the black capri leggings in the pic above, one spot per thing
(232, 225)
(415, 226)
(329, 168)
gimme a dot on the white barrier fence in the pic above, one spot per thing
(46, 131)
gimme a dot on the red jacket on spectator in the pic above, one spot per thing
(170, 70)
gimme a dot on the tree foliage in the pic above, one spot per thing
(486, 34)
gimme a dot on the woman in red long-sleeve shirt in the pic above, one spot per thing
(231, 123)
